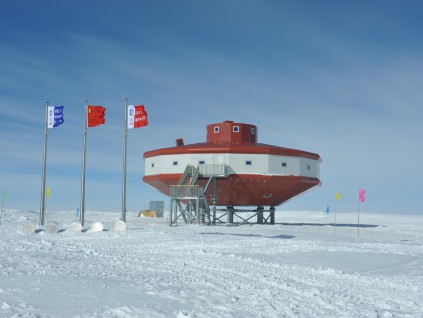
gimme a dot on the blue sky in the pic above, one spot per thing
(341, 79)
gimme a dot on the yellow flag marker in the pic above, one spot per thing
(337, 197)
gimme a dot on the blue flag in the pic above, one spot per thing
(327, 209)
(55, 116)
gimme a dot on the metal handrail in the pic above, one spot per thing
(188, 171)
(214, 170)
(184, 191)
(195, 175)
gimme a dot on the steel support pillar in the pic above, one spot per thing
(198, 211)
(260, 219)
(213, 200)
(231, 212)
(272, 215)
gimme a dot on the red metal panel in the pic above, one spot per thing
(243, 190)
(230, 132)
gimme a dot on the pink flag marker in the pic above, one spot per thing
(362, 195)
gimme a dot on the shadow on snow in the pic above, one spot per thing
(330, 224)
(284, 237)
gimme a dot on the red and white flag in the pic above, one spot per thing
(96, 115)
(137, 116)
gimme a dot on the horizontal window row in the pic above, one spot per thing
(234, 129)
(247, 163)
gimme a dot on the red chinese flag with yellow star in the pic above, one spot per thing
(96, 115)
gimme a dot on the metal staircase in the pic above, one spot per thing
(188, 200)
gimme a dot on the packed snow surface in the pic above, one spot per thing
(299, 267)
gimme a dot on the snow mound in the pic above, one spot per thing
(96, 227)
(52, 228)
(119, 226)
(183, 314)
(75, 227)
(5, 306)
(29, 228)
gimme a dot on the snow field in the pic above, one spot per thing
(299, 267)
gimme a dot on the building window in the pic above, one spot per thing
(283, 164)
(253, 131)
(175, 163)
(248, 162)
(201, 162)
(216, 129)
(308, 167)
(235, 128)
(152, 165)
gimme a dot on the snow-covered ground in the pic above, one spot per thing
(299, 267)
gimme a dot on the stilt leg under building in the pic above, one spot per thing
(231, 212)
(260, 219)
(272, 215)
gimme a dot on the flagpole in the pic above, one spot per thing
(336, 206)
(125, 134)
(43, 184)
(2, 203)
(82, 208)
(358, 220)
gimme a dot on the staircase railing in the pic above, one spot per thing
(195, 176)
(214, 170)
(188, 172)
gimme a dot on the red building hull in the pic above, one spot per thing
(243, 190)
